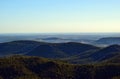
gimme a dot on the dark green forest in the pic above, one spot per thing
(26, 67)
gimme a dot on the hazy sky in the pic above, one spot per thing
(40, 16)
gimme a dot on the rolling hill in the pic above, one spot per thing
(39, 60)
(96, 56)
(72, 52)
(106, 53)
(60, 50)
(49, 50)
(17, 47)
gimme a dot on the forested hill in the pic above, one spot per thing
(26, 67)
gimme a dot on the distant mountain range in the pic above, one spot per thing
(97, 40)
(100, 42)
(72, 52)
(108, 41)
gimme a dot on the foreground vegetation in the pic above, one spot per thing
(26, 67)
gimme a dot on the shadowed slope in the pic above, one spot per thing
(60, 50)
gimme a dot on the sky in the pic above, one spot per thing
(59, 16)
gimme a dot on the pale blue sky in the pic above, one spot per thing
(61, 16)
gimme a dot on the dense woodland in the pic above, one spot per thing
(26, 67)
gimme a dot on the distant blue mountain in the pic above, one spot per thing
(108, 40)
